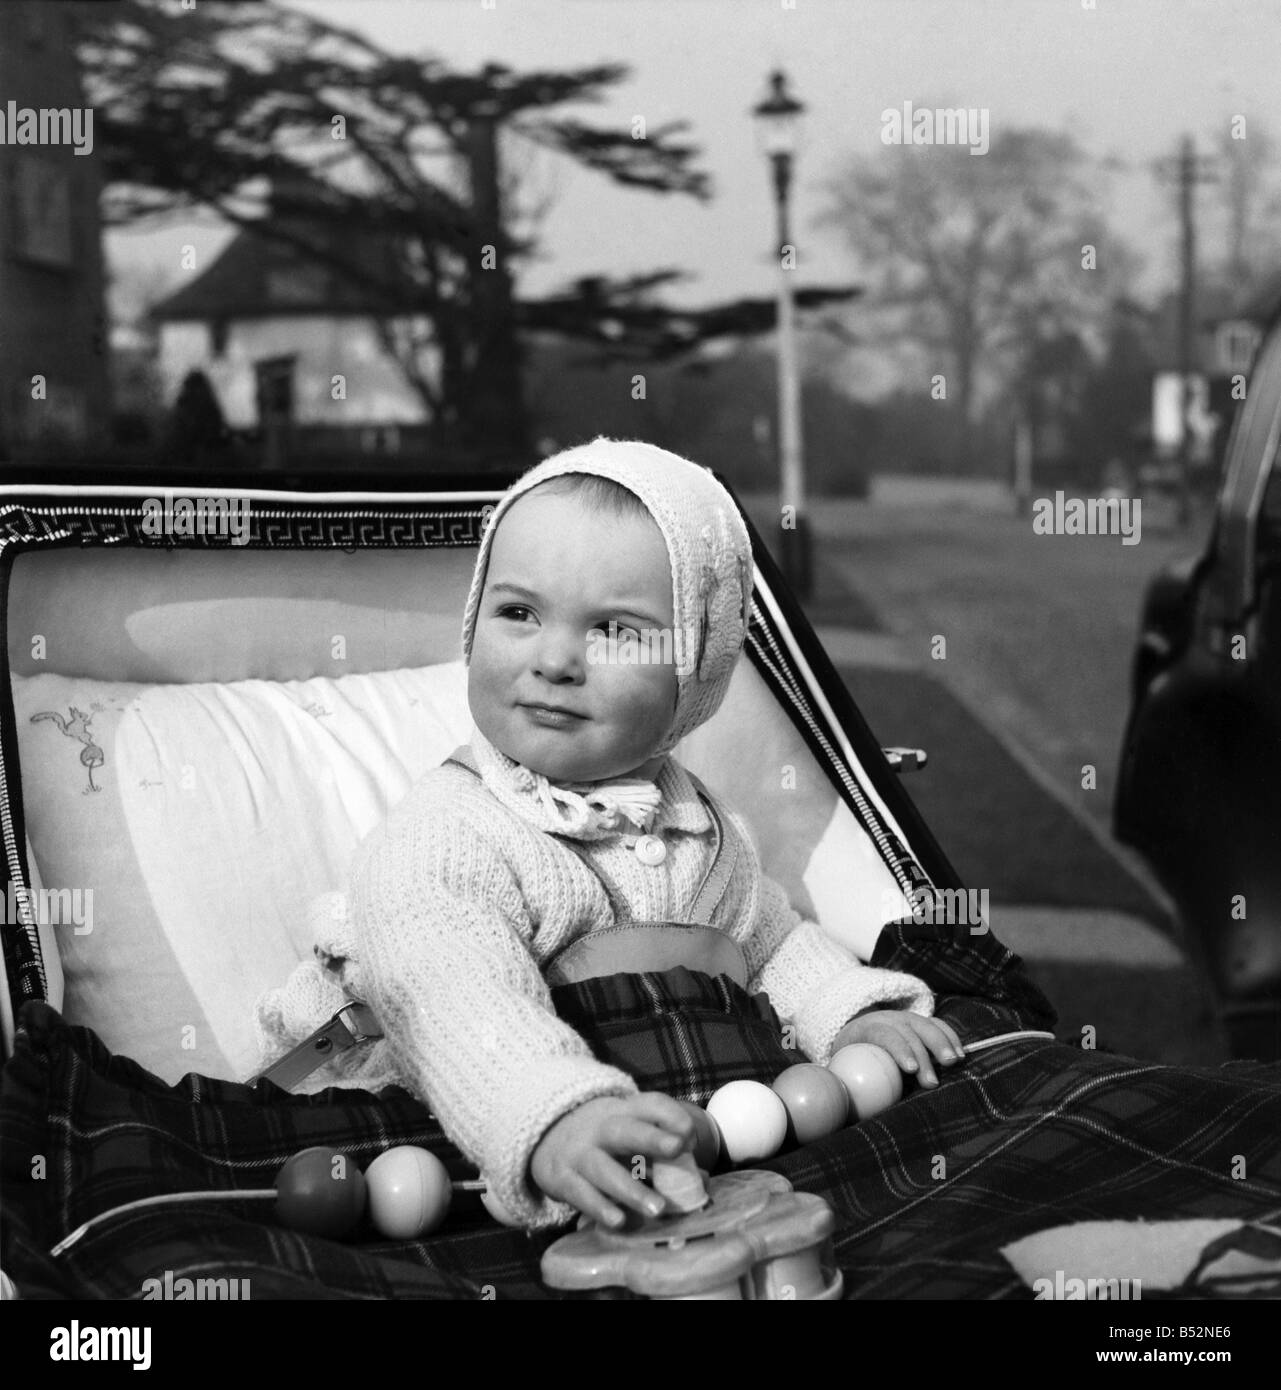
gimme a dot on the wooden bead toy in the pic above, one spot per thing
(751, 1118)
(870, 1075)
(320, 1192)
(816, 1101)
(409, 1192)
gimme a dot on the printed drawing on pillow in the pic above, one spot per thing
(77, 727)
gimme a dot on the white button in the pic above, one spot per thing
(650, 850)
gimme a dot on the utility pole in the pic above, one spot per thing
(1187, 324)
(1023, 446)
(777, 125)
(797, 545)
(1189, 173)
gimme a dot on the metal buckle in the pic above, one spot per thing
(906, 759)
(360, 1021)
(353, 1024)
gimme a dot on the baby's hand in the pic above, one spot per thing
(576, 1161)
(909, 1038)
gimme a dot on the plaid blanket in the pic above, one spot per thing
(680, 1032)
(1024, 1136)
(85, 1131)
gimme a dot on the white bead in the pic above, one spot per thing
(650, 850)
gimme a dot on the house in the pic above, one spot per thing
(291, 339)
(54, 390)
(1229, 327)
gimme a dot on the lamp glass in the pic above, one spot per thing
(778, 119)
(778, 134)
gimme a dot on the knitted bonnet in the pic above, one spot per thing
(710, 553)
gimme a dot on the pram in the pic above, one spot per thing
(196, 734)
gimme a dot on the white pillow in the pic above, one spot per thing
(223, 812)
(194, 824)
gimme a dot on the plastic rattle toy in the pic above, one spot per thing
(322, 1192)
(707, 1137)
(751, 1118)
(409, 1192)
(874, 1081)
(816, 1101)
(870, 1075)
(745, 1235)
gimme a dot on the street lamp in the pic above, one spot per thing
(778, 121)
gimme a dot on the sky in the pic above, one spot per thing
(1125, 77)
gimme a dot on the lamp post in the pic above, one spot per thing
(778, 120)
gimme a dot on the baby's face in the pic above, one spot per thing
(558, 570)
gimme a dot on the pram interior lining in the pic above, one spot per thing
(91, 598)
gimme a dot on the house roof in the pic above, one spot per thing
(1265, 303)
(261, 276)
(1215, 305)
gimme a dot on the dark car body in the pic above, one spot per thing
(1199, 787)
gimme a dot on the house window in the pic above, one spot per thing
(1237, 344)
(380, 439)
(41, 214)
(274, 381)
(218, 337)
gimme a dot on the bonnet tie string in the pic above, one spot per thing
(601, 810)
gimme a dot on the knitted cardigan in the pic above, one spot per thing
(460, 897)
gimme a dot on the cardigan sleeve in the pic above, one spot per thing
(813, 982)
(442, 928)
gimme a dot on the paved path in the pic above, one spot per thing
(1039, 632)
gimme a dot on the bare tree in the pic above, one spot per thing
(1250, 178)
(975, 259)
(242, 107)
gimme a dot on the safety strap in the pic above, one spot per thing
(716, 881)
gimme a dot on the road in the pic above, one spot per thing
(1029, 686)
(1039, 630)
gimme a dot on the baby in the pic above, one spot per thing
(566, 815)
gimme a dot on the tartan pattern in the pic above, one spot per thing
(1030, 1134)
(111, 1132)
(1035, 1135)
(980, 986)
(680, 1032)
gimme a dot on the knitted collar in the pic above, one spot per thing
(524, 792)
